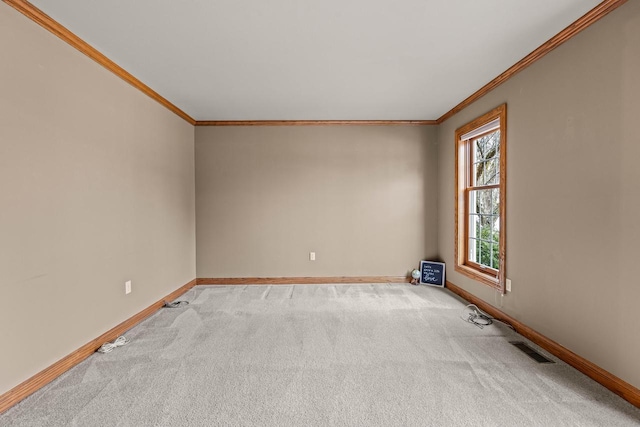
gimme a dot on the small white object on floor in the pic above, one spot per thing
(107, 347)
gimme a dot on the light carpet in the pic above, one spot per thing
(320, 355)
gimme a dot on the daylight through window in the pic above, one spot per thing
(480, 207)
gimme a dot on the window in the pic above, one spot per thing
(481, 166)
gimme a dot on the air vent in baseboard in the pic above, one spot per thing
(522, 346)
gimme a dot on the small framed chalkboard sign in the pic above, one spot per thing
(432, 273)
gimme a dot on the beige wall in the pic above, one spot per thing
(573, 229)
(362, 198)
(96, 187)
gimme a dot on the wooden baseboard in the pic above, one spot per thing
(300, 280)
(593, 371)
(44, 377)
(610, 381)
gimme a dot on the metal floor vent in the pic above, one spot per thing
(522, 346)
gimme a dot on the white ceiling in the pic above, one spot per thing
(315, 59)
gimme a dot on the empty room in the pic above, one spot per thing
(408, 213)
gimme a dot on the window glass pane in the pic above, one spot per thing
(479, 175)
(492, 145)
(487, 147)
(478, 149)
(491, 172)
(495, 201)
(490, 260)
(495, 230)
(473, 202)
(484, 226)
(486, 160)
(476, 173)
(474, 225)
(495, 256)
(472, 250)
(484, 201)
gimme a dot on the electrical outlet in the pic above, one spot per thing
(127, 287)
(312, 256)
(508, 285)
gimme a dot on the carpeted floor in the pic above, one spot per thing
(320, 355)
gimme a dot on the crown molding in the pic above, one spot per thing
(314, 122)
(591, 17)
(54, 27)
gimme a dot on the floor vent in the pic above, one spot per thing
(531, 352)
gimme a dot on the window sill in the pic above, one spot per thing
(487, 279)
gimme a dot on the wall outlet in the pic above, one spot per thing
(127, 287)
(508, 285)
(312, 256)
